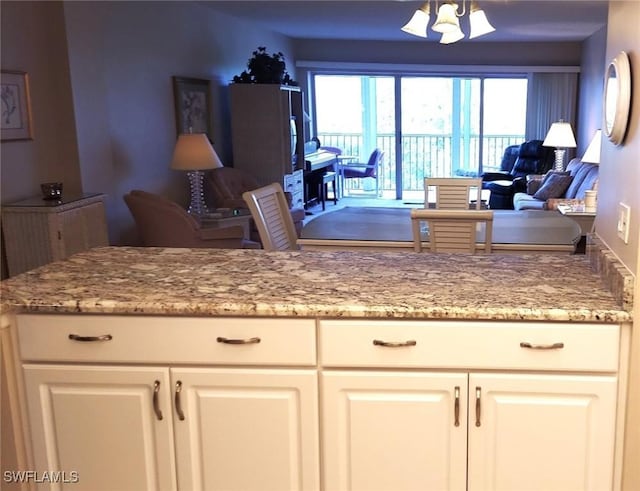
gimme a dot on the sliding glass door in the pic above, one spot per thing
(427, 126)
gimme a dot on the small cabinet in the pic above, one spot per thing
(37, 232)
(545, 420)
(97, 426)
(248, 420)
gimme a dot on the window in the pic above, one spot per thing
(447, 125)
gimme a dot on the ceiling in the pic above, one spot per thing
(380, 20)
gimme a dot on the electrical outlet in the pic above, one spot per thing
(624, 213)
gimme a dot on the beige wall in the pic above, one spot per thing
(620, 181)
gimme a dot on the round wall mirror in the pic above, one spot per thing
(617, 96)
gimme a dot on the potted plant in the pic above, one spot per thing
(265, 68)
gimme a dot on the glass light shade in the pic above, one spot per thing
(479, 23)
(560, 135)
(194, 152)
(419, 22)
(447, 20)
(451, 37)
(592, 154)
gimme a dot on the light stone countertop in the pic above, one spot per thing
(237, 282)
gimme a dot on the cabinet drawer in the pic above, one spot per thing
(145, 339)
(459, 345)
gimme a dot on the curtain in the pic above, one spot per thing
(550, 98)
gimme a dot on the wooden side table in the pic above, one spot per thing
(584, 219)
(227, 217)
(37, 231)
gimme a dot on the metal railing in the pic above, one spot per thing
(424, 155)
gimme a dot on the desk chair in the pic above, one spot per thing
(451, 230)
(453, 193)
(163, 223)
(359, 170)
(270, 212)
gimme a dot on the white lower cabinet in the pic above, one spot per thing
(391, 400)
(97, 425)
(246, 429)
(394, 431)
(117, 426)
(541, 432)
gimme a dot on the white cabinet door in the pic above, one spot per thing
(551, 432)
(99, 425)
(246, 429)
(394, 430)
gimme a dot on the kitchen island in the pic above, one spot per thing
(317, 370)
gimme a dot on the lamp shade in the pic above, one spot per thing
(592, 154)
(478, 21)
(419, 22)
(451, 37)
(447, 20)
(194, 152)
(560, 135)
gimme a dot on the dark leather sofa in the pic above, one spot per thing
(518, 162)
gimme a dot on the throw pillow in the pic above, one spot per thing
(556, 173)
(553, 186)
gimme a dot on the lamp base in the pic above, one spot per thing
(197, 206)
(559, 162)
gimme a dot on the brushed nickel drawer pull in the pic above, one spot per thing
(220, 339)
(478, 406)
(177, 400)
(391, 344)
(156, 408)
(77, 337)
(456, 407)
(542, 346)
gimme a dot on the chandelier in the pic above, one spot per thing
(448, 21)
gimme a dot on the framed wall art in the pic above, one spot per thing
(16, 106)
(192, 98)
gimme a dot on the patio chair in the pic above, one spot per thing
(453, 193)
(360, 170)
(270, 212)
(451, 230)
(163, 223)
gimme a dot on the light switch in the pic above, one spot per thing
(624, 213)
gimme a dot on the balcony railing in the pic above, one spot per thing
(425, 155)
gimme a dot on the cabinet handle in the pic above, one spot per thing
(391, 344)
(478, 407)
(156, 408)
(77, 337)
(456, 407)
(238, 341)
(542, 346)
(177, 401)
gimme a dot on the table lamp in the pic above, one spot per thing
(194, 154)
(560, 135)
(592, 156)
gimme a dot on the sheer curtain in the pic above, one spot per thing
(550, 98)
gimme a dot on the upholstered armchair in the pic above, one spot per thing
(163, 223)
(532, 158)
(227, 187)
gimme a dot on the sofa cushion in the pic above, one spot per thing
(553, 186)
(524, 201)
(584, 179)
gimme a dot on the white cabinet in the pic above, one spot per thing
(37, 232)
(246, 429)
(97, 425)
(526, 429)
(394, 431)
(533, 432)
(173, 426)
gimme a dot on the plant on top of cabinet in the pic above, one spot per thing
(265, 68)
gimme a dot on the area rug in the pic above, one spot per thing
(394, 224)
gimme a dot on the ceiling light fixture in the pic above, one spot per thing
(448, 21)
